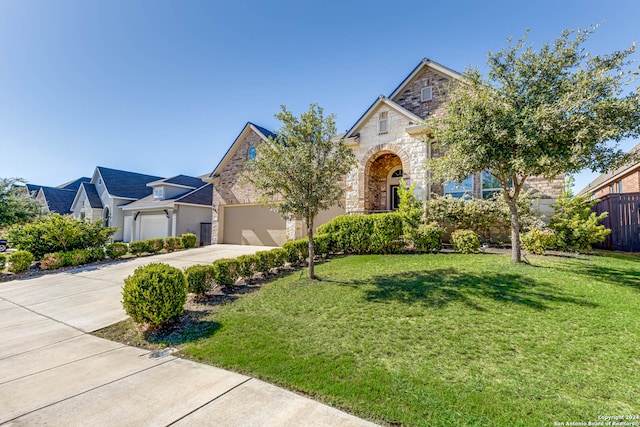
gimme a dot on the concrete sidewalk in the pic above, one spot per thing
(52, 372)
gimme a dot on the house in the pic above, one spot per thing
(56, 199)
(177, 205)
(619, 195)
(625, 179)
(389, 144)
(104, 195)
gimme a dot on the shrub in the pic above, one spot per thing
(225, 272)
(58, 233)
(3, 261)
(117, 250)
(465, 241)
(246, 265)
(199, 278)
(264, 261)
(20, 261)
(537, 241)
(154, 293)
(321, 244)
(53, 261)
(428, 238)
(577, 227)
(172, 243)
(278, 257)
(139, 247)
(96, 254)
(297, 250)
(349, 233)
(387, 234)
(155, 245)
(411, 210)
(188, 240)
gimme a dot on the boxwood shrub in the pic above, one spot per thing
(225, 272)
(538, 241)
(188, 240)
(465, 241)
(139, 247)
(297, 250)
(364, 234)
(246, 266)
(117, 250)
(154, 293)
(172, 243)
(428, 238)
(155, 245)
(387, 231)
(199, 278)
(20, 261)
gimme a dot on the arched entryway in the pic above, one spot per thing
(382, 177)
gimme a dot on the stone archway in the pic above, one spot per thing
(373, 189)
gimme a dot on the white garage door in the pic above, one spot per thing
(153, 226)
(253, 225)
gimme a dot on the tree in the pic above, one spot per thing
(539, 113)
(300, 170)
(17, 206)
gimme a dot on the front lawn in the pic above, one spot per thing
(445, 339)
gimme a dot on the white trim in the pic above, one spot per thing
(367, 115)
(426, 94)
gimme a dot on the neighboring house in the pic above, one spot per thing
(56, 200)
(106, 193)
(389, 144)
(625, 179)
(619, 195)
(177, 205)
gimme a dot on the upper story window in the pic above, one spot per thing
(158, 193)
(251, 154)
(490, 185)
(459, 190)
(426, 93)
(383, 122)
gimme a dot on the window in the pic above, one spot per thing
(490, 185)
(383, 122)
(251, 154)
(397, 174)
(158, 193)
(459, 190)
(613, 188)
(426, 93)
(620, 186)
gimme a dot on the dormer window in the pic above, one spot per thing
(426, 93)
(158, 193)
(383, 122)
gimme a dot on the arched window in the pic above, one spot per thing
(397, 173)
(251, 154)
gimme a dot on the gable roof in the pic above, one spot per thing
(180, 180)
(199, 196)
(425, 63)
(58, 200)
(75, 184)
(31, 188)
(92, 195)
(249, 127)
(380, 101)
(605, 178)
(126, 185)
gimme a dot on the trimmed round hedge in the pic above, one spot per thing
(154, 293)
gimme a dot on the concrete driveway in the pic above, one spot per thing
(52, 372)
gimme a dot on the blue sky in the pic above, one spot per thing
(164, 87)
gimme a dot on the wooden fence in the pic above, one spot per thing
(623, 220)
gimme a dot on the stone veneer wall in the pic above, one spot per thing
(410, 96)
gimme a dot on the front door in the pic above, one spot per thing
(395, 197)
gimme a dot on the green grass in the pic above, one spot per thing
(430, 340)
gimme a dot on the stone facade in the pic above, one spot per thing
(410, 96)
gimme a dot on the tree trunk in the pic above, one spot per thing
(312, 274)
(515, 230)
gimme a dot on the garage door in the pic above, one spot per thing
(253, 225)
(153, 226)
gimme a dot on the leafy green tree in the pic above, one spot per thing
(538, 113)
(411, 210)
(301, 168)
(17, 206)
(577, 227)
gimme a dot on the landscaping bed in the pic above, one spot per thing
(430, 340)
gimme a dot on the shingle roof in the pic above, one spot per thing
(265, 132)
(33, 189)
(201, 196)
(59, 200)
(92, 195)
(187, 181)
(75, 184)
(129, 185)
(599, 181)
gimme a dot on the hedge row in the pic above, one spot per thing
(71, 258)
(153, 246)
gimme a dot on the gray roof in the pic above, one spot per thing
(59, 200)
(185, 180)
(33, 189)
(75, 184)
(265, 132)
(92, 195)
(128, 185)
(602, 179)
(201, 196)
